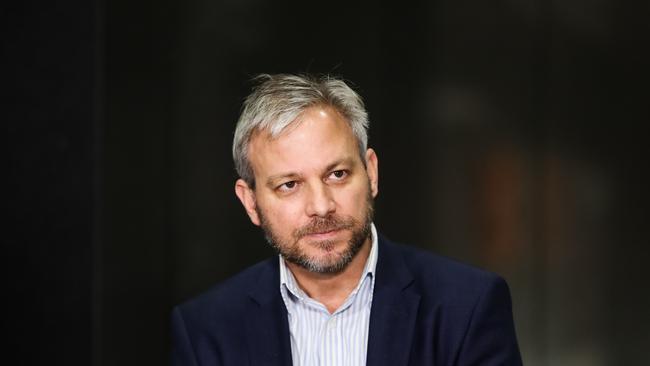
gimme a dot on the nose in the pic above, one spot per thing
(320, 201)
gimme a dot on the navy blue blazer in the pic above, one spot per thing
(426, 310)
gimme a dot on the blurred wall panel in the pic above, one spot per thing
(47, 100)
(481, 110)
(133, 296)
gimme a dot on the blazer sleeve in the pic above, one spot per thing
(490, 339)
(182, 352)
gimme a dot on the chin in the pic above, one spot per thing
(325, 248)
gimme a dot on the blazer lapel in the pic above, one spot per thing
(267, 327)
(394, 309)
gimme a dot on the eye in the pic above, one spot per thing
(287, 186)
(338, 174)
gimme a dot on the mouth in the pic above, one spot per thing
(323, 235)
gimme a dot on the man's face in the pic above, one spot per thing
(313, 196)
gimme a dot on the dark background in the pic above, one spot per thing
(510, 134)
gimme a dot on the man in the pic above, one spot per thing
(338, 293)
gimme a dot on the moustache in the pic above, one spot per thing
(324, 224)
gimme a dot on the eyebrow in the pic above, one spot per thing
(271, 181)
(345, 161)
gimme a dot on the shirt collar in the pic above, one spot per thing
(288, 282)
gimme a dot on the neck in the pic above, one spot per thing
(332, 289)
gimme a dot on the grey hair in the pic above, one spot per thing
(279, 100)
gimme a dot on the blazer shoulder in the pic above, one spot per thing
(229, 295)
(448, 279)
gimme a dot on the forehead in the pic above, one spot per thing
(318, 136)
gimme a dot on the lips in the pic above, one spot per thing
(324, 234)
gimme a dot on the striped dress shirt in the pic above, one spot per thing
(321, 338)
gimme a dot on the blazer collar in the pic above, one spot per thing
(394, 309)
(267, 326)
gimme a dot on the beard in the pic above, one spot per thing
(332, 262)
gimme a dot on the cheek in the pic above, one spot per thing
(283, 215)
(353, 201)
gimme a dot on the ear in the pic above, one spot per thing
(247, 197)
(372, 167)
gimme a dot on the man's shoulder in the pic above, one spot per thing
(229, 295)
(430, 263)
(437, 275)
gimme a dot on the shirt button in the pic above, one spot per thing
(331, 323)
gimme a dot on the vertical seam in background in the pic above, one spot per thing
(98, 124)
